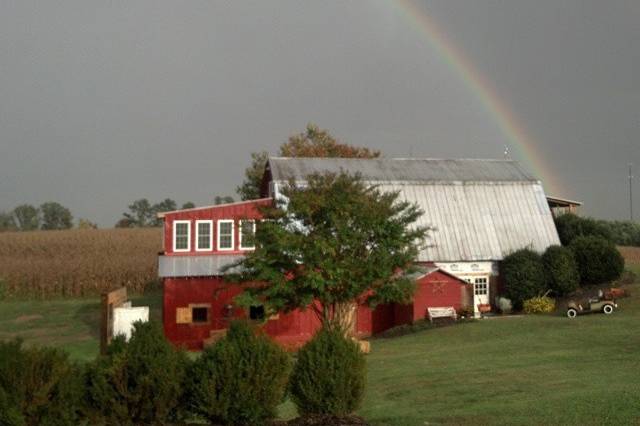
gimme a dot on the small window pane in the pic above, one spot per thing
(182, 236)
(256, 312)
(204, 235)
(225, 239)
(200, 314)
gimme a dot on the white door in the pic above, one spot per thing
(480, 292)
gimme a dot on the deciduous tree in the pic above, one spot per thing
(312, 142)
(7, 222)
(55, 216)
(337, 242)
(27, 217)
(226, 199)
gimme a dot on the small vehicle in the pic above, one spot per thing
(594, 305)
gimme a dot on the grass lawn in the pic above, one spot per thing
(72, 324)
(530, 370)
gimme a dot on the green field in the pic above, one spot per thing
(72, 324)
(530, 370)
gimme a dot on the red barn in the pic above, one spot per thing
(198, 304)
(478, 212)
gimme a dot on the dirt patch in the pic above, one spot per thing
(26, 318)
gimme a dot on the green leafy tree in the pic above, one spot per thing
(250, 188)
(55, 216)
(166, 205)
(188, 205)
(141, 214)
(338, 242)
(312, 142)
(7, 222)
(27, 217)
(226, 199)
(571, 226)
(86, 224)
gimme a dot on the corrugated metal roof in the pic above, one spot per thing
(194, 266)
(479, 209)
(403, 169)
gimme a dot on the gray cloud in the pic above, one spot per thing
(106, 102)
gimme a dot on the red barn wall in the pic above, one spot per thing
(435, 290)
(291, 329)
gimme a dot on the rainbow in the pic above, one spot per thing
(519, 142)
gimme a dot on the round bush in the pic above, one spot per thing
(539, 305)
(599, 261)
(240, 380)
(137, 382)
(523, 275)
(561, 270)
(329, 376)
(571, 226)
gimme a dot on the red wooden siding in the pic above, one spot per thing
(437, 289)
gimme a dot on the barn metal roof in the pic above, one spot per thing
(195, 266)
(403, 169)
(479, 209)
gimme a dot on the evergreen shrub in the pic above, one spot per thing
(329, 376)
(137, 382)
(239, 380)
(523, 275)
(561, 270)
(599, 261)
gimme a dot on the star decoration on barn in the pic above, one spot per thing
(437, 287)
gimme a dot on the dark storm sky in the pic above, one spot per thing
(103, 102)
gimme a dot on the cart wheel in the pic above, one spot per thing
(571, 313)
(608, 309)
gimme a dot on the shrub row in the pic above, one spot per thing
(587, 260)
(623, 233)
(238, 381)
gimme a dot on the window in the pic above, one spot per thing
(225, 235)
(256, 312)
(247, 234)
(199, 314)
(204, 235)
(480, 287)
(181, 235)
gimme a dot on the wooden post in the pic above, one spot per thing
(109, 301)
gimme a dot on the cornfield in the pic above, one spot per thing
(78, 262)
(631, 255)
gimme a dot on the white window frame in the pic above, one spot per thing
(210, 223)
(242, 222)
(233, 242)
(482, 284)
(176, 222)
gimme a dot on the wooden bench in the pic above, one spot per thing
(442, 312)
